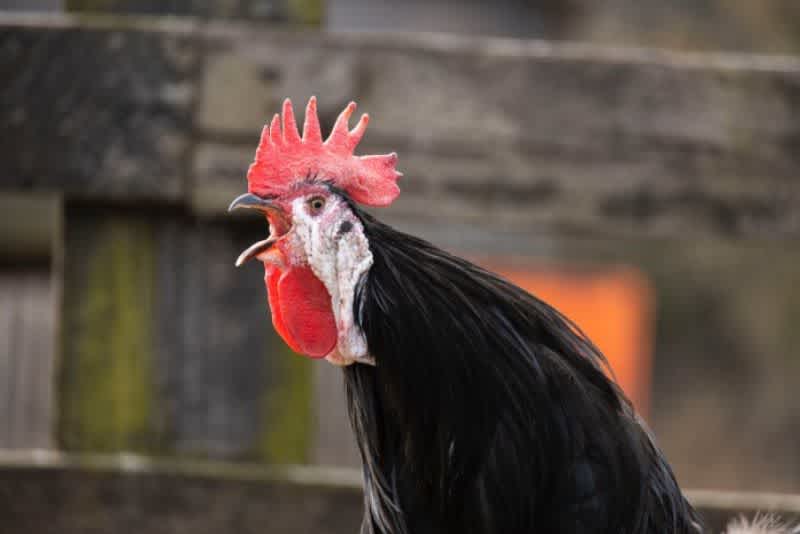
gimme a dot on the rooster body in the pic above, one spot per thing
(488, 412)
(477, 407)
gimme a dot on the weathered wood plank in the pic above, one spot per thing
(307, 12)
(95, 112)
(7, 347)
(161, 353)
(564, 138)
(557, 137)
(131, 494)
(106, 397)
(29, 227)
(333, 441)
(130, 502)
(27, 330)
(231, 387)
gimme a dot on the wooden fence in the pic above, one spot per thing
(131, 494)
(142, 128)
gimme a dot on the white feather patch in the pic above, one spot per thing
(339, 260)
(761, 524)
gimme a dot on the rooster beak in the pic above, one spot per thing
(278, 219)
(249, 200)
(255, 249)
(279, 225)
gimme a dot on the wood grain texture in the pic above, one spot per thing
(307, 12)
(168, 347)
(27, 341)
(531, 135)
(333, 442)
(107, 391)
(560, 138)
(87, 500)
(28, 232)
(132, 494)
(228, 383)
(100, 113)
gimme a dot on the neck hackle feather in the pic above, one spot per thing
(489, 412)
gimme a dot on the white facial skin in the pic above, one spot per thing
(334, 245)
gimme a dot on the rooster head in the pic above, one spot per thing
(317, 251)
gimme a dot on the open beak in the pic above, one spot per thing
(279, 224)
(255, 249)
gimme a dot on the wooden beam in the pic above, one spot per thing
(97, 111)
(530, 135)
(192, 496)
(132, 494)
(27, 358)
(107, 399)
(292, 12)
(496, 133)
(31, 223)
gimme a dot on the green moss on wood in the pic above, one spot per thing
(304, 12)
(307, 12)
(106, 389)
(286, 433)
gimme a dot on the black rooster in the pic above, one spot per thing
(477, 407)
(489, 412)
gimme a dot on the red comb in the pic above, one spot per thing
(284, 159)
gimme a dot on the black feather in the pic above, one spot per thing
(490, 412)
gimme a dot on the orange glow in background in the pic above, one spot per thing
(614, 309)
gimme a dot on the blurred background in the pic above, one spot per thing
(635, 163)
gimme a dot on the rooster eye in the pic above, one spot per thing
(316, 204)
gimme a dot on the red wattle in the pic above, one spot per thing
(271, 278)
(301, 310)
